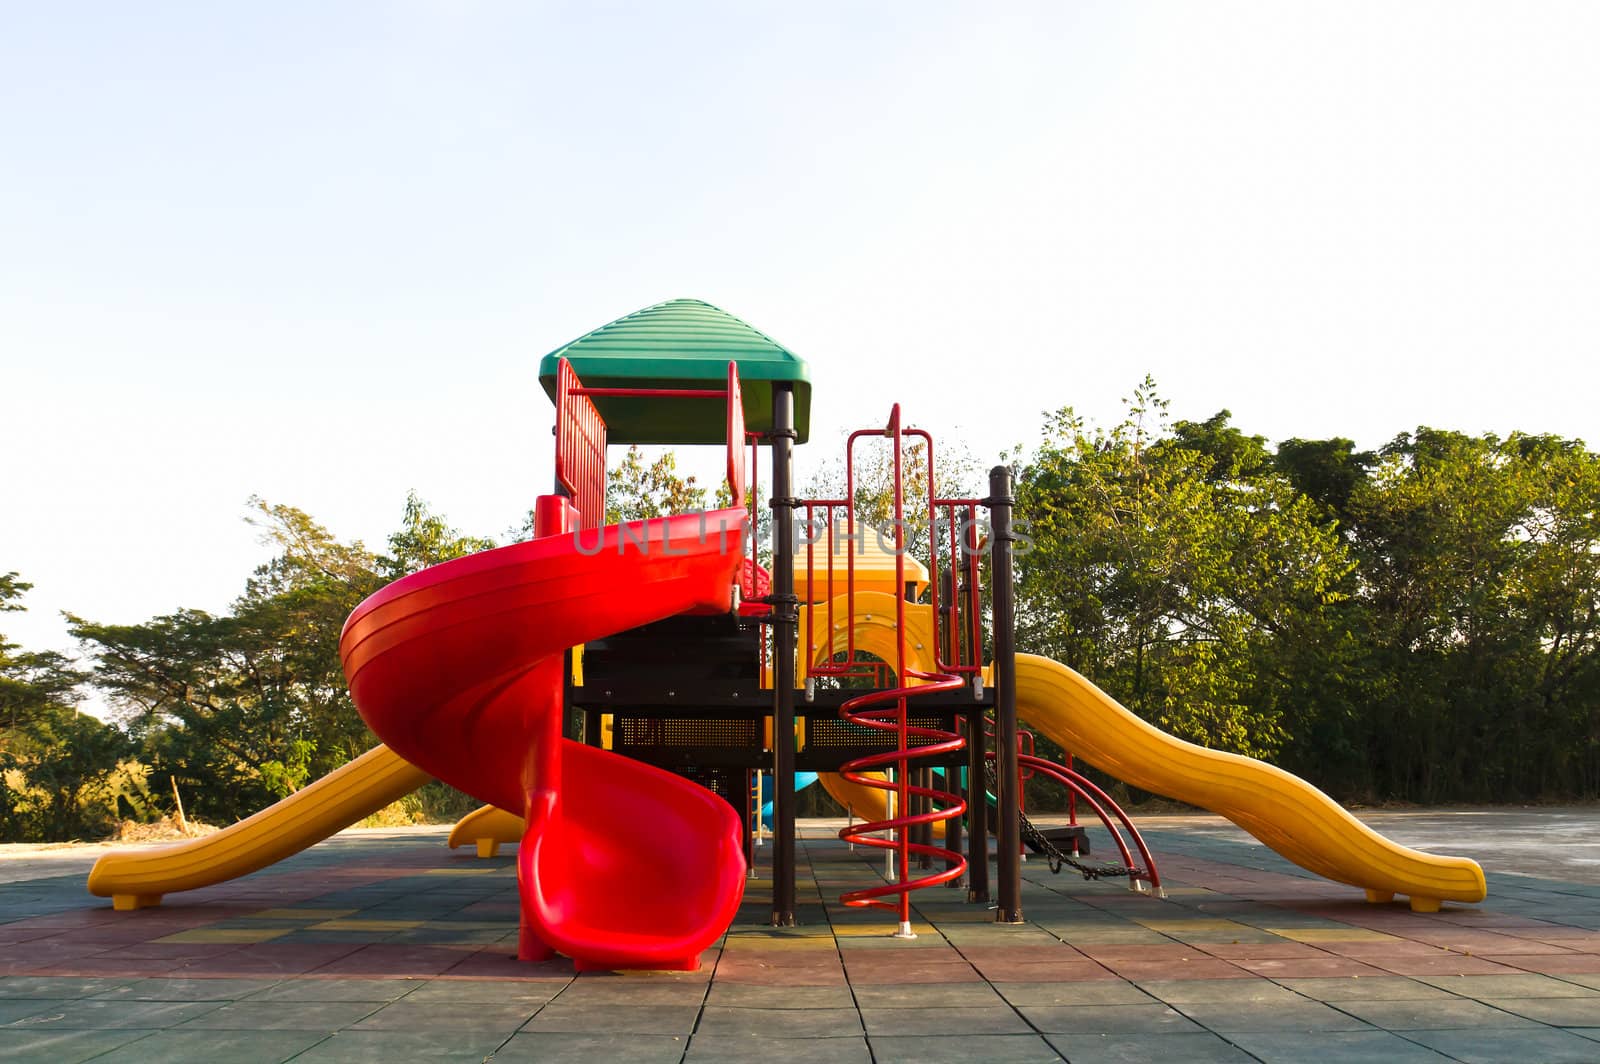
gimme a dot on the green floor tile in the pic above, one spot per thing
(1087, 992)
(1431, 1014)
(98, 1015)
(35, 1046)
(531, 1047)
(671, 1020)
(486, 1017)
(325, 1016)
(784, 1023)
(1292, 1014)
(743, 1049)
(1106, 1019)
(926, 996)
(1487, 1046)
(221, 1047)
(1180, 1048)
(1558, 1012)
(401, 1047)
(168, 989)
(1367, 988)
(990, 1049)
(1233, 991)
(314, 989)
(56, 987)
(947, 1020)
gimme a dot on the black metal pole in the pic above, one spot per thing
(977, 811)
(785, 632)
(1009, 836)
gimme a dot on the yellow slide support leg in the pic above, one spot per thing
(488, 828)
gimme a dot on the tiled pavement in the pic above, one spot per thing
(376, 948)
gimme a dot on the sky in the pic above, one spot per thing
(314, 252)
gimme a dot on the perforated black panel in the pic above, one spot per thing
(654, 733)
(825, 733)
(728, 784)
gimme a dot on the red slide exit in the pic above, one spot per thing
(458, 669)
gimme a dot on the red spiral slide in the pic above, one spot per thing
(458, 669)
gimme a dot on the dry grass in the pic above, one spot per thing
(164, 830)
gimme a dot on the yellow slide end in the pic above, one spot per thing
(1283, 811)
(136, 879)
(487, 827)
(865, 803)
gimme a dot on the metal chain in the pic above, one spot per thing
(1058, 858)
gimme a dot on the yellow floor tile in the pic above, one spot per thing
(227, 934)
(1157, 924)
(469, 925)
(367, 925)
(783, 945)
(879, 930)
(299, 914)
(1331, 934)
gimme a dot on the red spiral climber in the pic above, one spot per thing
(892, 717)
(886, 710)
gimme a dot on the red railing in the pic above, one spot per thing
(580, 448)
(1110, 814)
(886, 710)
(581, 437)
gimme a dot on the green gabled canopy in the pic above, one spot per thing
(682, 343)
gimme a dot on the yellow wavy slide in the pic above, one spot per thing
(1283, 811)
(135, 879)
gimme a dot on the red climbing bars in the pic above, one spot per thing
(886, 711)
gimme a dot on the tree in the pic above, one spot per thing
(1174, 576)
(1479, 576)
(65, 761)
(636, 491)
(872, 480)
(425, 539)
(1230, 454)
(54, 761)
(245, 708)
(1326, 471)
(31, 682)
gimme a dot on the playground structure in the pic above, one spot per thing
(610, 690)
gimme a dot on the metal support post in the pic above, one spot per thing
(785, 632)
(1008, 859)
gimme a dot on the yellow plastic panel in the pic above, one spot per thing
(138, 878)
(1283, 811)
(487, 827)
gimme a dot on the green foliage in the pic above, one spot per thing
(1481, 565)
(1168, 566)
(425, 539)
(872, 485)
(55, 763)
(636, 490)
(32, 684)
(1419, 622)
(57, 773)
(1415, 623)
(245, 708)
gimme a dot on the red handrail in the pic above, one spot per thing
(1099, 801)
(886, 711)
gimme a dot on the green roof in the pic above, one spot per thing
(682, 343)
